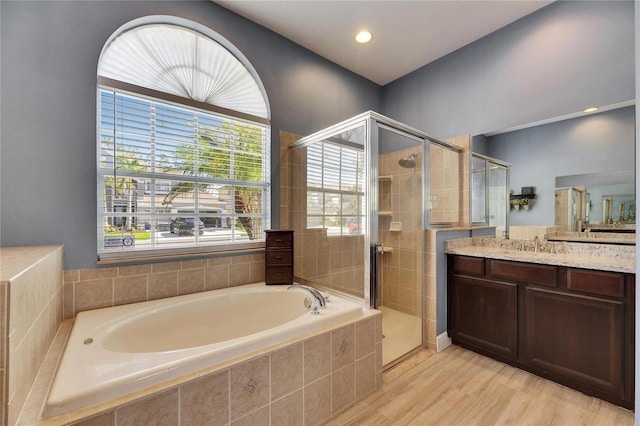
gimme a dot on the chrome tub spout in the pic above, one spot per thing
(315, 293)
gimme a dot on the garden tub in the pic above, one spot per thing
(116, 351)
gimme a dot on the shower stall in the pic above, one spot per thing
(361, 194)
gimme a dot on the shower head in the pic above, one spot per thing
(409, 161)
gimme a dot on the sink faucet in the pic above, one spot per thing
(315, 293)
(536, 244)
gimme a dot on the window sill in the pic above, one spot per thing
(168, 255)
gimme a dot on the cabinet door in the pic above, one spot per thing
(484, 315)
(578, 337)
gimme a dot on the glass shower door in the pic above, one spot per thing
(400, 234)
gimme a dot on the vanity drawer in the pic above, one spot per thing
(279, 257)
(279, 275)
(596, 282)
(527, 272)
(466, 265)
(279, 239)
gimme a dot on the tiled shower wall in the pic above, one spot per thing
(400, 201)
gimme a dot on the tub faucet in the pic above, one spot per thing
(315, 293)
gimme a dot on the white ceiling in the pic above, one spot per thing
(406, 34)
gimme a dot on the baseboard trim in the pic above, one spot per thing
(443, 341)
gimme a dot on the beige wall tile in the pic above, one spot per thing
(286, 371)
(71, 276)
(343, 388)
(161, 285)
(317, 357)
(134, 270)
(97, 273)
(3, 327)
(249, 386)
(316, 396)
(216, 277)
(105, 419)
(288, 411)
(342, 346)
(194, 264)
(93, 294)
(257, 272)
(67, 309)
(157, 410)
(259, 417)
(165, 267)
(225, 260)
(205, 401)
(190, 281)
(129, 289)
(365, 337)
(365, 375)
(239, 275)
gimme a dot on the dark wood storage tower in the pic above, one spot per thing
(278, 260)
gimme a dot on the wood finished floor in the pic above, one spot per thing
(459, 387)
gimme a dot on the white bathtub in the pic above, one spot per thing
(115, 351)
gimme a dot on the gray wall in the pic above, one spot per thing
(49, 55)
(595, 143)
(559, 60)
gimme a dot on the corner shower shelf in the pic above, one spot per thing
(385, 213)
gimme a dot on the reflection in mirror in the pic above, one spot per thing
(602, 201)
(570, 209)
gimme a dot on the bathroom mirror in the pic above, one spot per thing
(610, 203)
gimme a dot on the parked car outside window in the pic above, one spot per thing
(186, 225)
(354, 225)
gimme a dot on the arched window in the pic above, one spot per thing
(183, 143)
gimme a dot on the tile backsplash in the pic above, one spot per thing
(86, 289)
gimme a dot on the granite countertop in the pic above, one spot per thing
(594, 237)
(603, 257)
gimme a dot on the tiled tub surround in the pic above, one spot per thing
(306, 380)
(30, 313)
(135, 346)
(605, 257)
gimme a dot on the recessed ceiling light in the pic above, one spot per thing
(363, 37)
(592, 109)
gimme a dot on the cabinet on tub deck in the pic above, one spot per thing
(573, 326)
(279, 257)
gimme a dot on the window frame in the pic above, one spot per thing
(338, 191)
(197, 249)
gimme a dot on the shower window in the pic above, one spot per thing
(335, 188)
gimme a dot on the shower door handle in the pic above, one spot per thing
(376, 251)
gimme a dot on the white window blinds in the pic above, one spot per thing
(177, 178)
(335, 188)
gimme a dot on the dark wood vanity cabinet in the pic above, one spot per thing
(483, 314)
(279, 257)
(570, 325)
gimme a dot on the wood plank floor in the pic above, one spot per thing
(460, 387)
